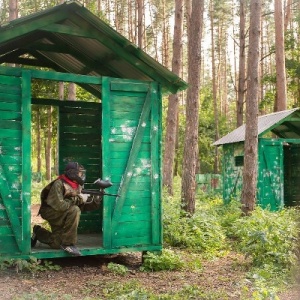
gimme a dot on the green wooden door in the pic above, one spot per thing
(15, 170)
(270, 178)
(80, 140)
(131, 135)
(232, 171)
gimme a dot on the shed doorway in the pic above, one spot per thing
(291, 153)
(69, 131)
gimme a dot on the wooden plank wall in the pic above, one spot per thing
(132, 214)
(10, 164)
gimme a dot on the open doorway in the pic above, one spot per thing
(63, 131)
(291, 153)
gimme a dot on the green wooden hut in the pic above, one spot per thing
(117, 137)
(278, 182)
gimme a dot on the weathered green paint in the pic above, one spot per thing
(125, 129)
(232, 174)
(128, 173)
(11, 143)
(106, 164)
(277, 178)
(209, 183)
(131, 147)
(26, 160)
(270, 175)
(156, 182)
(117, 138)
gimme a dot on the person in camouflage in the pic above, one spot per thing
(61, 205)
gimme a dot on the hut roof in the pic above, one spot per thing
(69, 38)
(285, 124)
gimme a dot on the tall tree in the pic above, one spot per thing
(165, 35)
(13, 14)
(190, 152)
(13, 9)
(281, 97)
(214, 85)
(287, 15)
(72, 91)
(173, 104)
(242, 63)
(251, 134)
(140, 27)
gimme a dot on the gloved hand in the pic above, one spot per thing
(84, 197)
(97, 198)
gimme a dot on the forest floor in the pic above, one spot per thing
(89, 278)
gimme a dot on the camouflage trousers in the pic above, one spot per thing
(63, 226)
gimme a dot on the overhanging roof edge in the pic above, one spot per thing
(169, 80)
(238, 134)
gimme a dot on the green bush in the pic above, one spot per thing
(269, 240)
(227, 215)
(268, 237)
(201, 232)
(117, 268)
(32, 265)
(167, 260)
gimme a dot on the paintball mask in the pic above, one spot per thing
(75, 172)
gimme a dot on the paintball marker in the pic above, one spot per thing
(103, 184)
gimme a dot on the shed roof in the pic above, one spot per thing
(69, 38)
(285, 124)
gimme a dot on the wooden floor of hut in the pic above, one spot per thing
(85, 241)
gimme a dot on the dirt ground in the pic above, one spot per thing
(85, 277)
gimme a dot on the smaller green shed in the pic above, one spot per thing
(278, 182)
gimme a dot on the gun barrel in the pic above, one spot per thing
(98, 192)
(92, 192)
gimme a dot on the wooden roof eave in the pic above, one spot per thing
(9, 33)
(52, 20)
(275, 126)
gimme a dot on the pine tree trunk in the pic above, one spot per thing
(262, 66)
(72, 91)
(13, 10)
(13, 14)
(140, 22)
(131, 22)
(251, 135)
(165, 37)
(190, 153)
(173, 105)
(214, 87)
(61, 87)
(287, 15)
(242, 71)
(281, 96)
